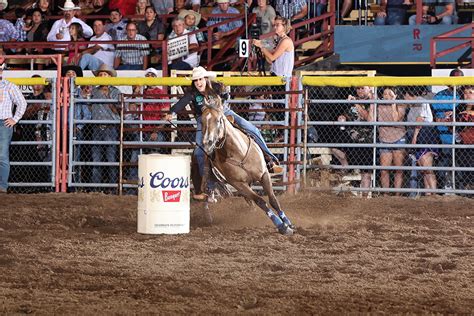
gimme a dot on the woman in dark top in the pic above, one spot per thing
(151, 27)
(39, 29)
(202, 88)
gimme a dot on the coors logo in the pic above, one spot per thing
(171, 196)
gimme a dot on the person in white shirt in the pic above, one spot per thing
(60, 29)
(191, 60)
(97, 54)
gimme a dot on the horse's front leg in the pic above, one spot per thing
(248, 193)
(268, 188)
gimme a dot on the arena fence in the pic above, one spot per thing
(300, 119)
(34, 146)
(104, 151)
(344, 151)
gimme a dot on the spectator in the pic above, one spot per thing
(60, 28)
(228, 29)
(424, 157)
(293, 10)
(392, 12)
(395, 135)
(132, 56)
(126, 6)
(39, 29)
(43, 130)
(155, 111)
(436, 12)
(20, 24)
(257, 112)
(359, 134)
(163, 6)
(8, 31)
(266, 13)
(191, 60)
(105, 132)
(99, 7)
(11, 96)
(191, 21)
(117, 28)
(282, 57)
(75, 50)
(97, 54)
(151, 28)
(43, 6)
(443, 112)
(81, 112)
(141, 7)
(465, 156)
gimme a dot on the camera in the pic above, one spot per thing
(256, 28)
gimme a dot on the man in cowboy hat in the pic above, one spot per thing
(105, 131)
(60, 29)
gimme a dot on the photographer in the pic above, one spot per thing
(265, 16)
(282, 57)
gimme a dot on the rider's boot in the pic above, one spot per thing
(274, 167)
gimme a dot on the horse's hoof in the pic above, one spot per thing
(285, 230)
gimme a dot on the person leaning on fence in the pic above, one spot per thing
(155, 111)
(394, 135)
(443, 112)
(465, 136)
(424, 157)
(105, 131)
(358, 134)
(203, 87)
(10, 96)
(81, 112)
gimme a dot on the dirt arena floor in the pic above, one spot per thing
(79, 254)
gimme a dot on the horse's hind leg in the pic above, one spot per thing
(249, 194)
(268, 188)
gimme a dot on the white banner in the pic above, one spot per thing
(178, 47)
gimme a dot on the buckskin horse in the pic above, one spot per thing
(240, 160)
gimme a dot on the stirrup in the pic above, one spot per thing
(200, 197)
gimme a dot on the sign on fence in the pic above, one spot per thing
(178, 47)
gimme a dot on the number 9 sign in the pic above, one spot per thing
(244, 48)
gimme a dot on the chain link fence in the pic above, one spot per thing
(408, 140)
(33, 146)
(107, 135)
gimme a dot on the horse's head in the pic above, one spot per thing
(213, 124)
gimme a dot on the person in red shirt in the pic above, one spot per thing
(154, 111)
(127, 7)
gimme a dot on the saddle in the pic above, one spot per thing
(272, 166)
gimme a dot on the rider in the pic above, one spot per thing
(203, 87)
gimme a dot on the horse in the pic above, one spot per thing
(240, 161)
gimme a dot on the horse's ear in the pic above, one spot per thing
(230, 118)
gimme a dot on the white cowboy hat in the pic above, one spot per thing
(152, 71)
(107, 69)
(3, 4)
(223, 1)
(184, 13)
(69, 5)
(200, 72)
